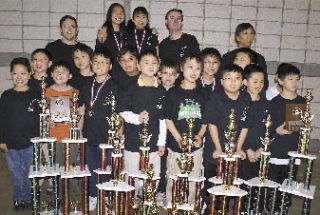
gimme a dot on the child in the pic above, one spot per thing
(41, 60)
(93, 123)
(82, 60)
(136, 111)
(188, 100)
(19, 122)
(126, 71)
(259, 108)
(275, 89)
(244, 57)
(139, 33)
(211, 62)
(116, 30)
(168, 73)
(62, 49)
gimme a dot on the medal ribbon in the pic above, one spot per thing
(93, 100)
(119, 45)
(204, 83)
(139, 46)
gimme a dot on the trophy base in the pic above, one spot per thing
(103, 172)
(43, 172)
(43, 140)
(232, 191)
(74, 172)
(217, 181)
(256, 182)
(72, 141)
(298, 189)
(298, 155)
(119, 186)
(183, 207)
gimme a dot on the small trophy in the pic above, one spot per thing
(144, 149)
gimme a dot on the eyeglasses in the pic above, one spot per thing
(173, 18)
(237, 79)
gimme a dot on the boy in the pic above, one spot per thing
(19, 122)
(93, 123)
(186, 99)
(168, 73)
(211, 63)
(41, 60)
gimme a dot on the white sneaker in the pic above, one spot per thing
(92, 203)
(161, 199)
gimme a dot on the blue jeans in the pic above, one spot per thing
(19, 162)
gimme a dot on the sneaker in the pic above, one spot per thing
(16, 205)
(161, 199)
(92, 203)
(22, 204)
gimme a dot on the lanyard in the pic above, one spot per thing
(119, 45)
(204, 83)
(139, 46)
(94, 97)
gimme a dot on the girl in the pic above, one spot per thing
(116, 30)
(139, 33)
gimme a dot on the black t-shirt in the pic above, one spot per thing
(35, 83)
(138, 99)
(96, 127)
(19, 119)
(149, 42)
(217, 113)
(257, 113)
(180, 105)
(121, 78)
(177, 49)
(62, 52)
(283, 143)
(78, 81)
(210, 88)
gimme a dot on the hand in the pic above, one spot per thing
(102, 34)
(197, 140)
(3, 147)
(216, 154)
(161, 150)
(242, 154)
(144, 116)
(258, 153)
(251, 156)
(52, 124)
(282, 131)
(155, 31)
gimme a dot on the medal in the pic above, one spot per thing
(90, 113)
(94, 96)
(139, 46)
(119, 44)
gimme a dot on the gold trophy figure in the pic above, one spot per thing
(145, 138)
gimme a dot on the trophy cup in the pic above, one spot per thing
(37, 170)
(289, 186)
(229, 181)
(73, 171)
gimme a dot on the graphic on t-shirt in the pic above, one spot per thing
(189, 109)
(244, 114)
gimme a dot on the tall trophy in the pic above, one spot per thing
(144, 149)
(260, 188)
(289, 186)
(75, 171)
(37, 170)
(226, 185)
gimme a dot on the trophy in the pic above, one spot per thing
(227, 183)
(289, 186)
(70, 171)
(144, 149)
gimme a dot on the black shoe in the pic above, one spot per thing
(29, 204)
(16, 205)
(22, 204)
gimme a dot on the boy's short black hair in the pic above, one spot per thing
(252, 55)
(174, 10)
(124, 50)
(250, 69)
(168, 63)
(103, 51)
(43, 51)
(191, 56)
(148, 52)
(231, 68)
(60, 64)
(285, 69)
(20, 61)
(64, 18)
(241, 27)
(83, 48)
(210, 51)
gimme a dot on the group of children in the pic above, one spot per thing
(164, 94)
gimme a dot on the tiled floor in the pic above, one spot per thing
(6, 206)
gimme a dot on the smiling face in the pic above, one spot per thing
(117, 16)
(191, 70)
(20, 77)
(61, 75)
(140, 20)
(101, 65)
(128, 63)
(81, 60)
(69, 30)
(168, 77)
(211, 65)
(245, 38)
(254, 83)
(40, 62)
(174, 21)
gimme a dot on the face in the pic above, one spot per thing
(69, 30)
(20, 76)
(191, 70)
(128, 62)
(101, 65)
(211, 64)
(290, 83)
(168, 76)
(40, 62)
(242, 59)
(148, 65)
(81, 60)
(140, 20)
(174, 21)
(61, 75)
(117, 16)
(245, 38)
(255, 83)
(231, 82)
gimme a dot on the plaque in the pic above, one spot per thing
(293, 120)
(60, 109)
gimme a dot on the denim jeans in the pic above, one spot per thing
(19, 162)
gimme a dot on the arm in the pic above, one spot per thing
(215, 138)
(199, 136)
(81, 121)
(162, 137)
(173, 130)
(241, 139)
(102, 34)
(134, 118)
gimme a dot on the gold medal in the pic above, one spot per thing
(90, 113)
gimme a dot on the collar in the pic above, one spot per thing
(142, 84)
